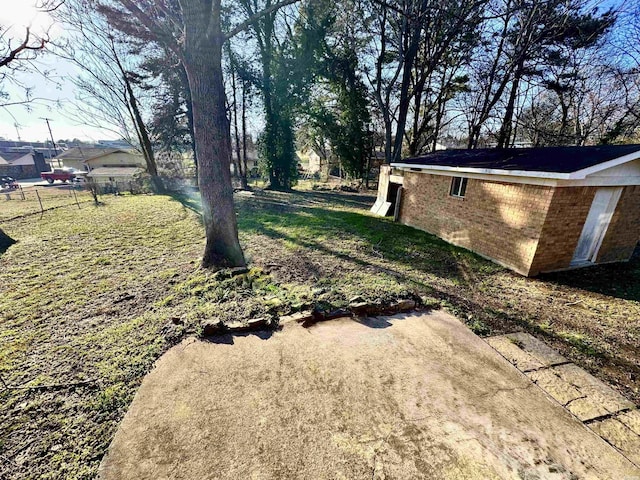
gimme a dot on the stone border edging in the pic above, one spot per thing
(308, 318)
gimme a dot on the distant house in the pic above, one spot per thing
(114, 165)
(21, 165)
(532, 209)
(318, 161)
(26, 147)
(76, 156)
(104, 164)
(252, 162)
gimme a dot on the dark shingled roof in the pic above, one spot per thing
(543, 159)
(12, 156)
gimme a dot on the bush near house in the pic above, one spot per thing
(88, 302)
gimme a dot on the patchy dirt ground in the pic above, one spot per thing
(89, 299)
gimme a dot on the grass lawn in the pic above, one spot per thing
(96, 296)
(13, 205)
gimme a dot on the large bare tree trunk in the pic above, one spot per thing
(203, 64)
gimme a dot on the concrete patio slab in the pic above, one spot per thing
(619, 435)
(509, 349)
(411, 396)
(540, 350)
(600, 399)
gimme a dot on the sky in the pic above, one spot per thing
(52, 85)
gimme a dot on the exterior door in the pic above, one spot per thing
(595, 227)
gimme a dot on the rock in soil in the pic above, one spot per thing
(298, 317)
(212, 328)
(405, 305)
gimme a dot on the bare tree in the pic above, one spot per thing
(411, 40)
(242, 81)
(20, 45)
(13, 57)
(25, 50)
(106, 89)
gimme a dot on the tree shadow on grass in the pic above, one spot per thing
(310, 215)
(620, 280)
(363, 201)
(315, 212)
(323, 230)
(190, 201)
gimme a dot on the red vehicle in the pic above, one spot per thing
(62, 174)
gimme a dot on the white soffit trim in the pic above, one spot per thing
(485, 171)
(550, 182)
(488, 176)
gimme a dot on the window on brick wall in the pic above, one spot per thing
(458, 187)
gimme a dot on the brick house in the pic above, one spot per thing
(21, 165)
(532, 210)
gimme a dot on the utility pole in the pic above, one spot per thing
(55, 149)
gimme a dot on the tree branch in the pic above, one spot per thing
(257, 16)
(22, 47)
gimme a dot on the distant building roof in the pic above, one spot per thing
(561, 160)
(16, 158)
(115, 143)
(84, 154)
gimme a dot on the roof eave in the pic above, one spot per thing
(577, 175)
(487, 171)
(614, 162)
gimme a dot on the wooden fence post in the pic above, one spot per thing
(76, 197)
(40, 202)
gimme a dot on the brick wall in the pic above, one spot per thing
(502, 221)
(528, 228)
(624, 230)
(19, 172)
(565, 220)
(562, 228)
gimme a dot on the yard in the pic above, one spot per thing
(30, 200)
(89, 299)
